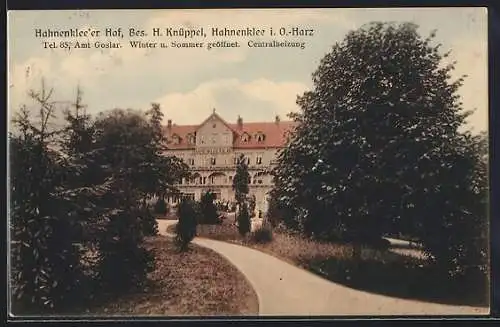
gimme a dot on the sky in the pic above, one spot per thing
(255, 83)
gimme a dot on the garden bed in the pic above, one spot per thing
(193, 283)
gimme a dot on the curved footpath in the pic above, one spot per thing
(284, 289)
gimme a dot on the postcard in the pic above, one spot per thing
(248, 162)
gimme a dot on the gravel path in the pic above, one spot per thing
(284, 289)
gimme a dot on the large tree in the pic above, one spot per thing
(46, 237)
(77, 191)
(378, 148)
(129, 148)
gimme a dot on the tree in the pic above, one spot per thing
(208, 210)
(160, 207)
(243, 220)
(252, 203)
(186, 227)
(391, 156)
(241, 180)
(124, 148)
(45, 236)
(83, 197)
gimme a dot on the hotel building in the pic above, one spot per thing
(211, 150)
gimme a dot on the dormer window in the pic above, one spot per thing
(260, 137)
(176, 139)
(191, 139)
(245, 138)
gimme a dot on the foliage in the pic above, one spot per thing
(45, 234)
(252, 203)
(392, 157)
(243, 219)
(78, 213)
(186, 227)
(160, 206)
(263, 234)
(208, 209)
(241, 180)
(275, 213)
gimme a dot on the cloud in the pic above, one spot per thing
(25, 76)
(260, 99)
(282, 95)
(471, 56)
(237, 80)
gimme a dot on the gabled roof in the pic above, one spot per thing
(214, 114)
(275, 133)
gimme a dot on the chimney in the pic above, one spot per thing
(169, 124)
(240, 122)
(277, 119)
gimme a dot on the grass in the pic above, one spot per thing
(198, 282)
(398, 273)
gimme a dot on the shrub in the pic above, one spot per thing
(252, 203)
(123, 261)
(208, 210)
(186, 227)
(150, 225)
(263, 234)
(243, 220)
(160, 207)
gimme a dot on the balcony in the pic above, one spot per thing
(222, 185)
(227, 167)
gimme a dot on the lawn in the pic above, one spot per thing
(197, 282)
(395, 272)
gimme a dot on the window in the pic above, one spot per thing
(176, 139)
(259, 160)
(212, 161)
(204, 180)
(248, 161)
(191, 161)
(235, 160)
(245, 138)
(191, 139)
(202, 139)
(260, 137)
(201, 180)
(214, 125)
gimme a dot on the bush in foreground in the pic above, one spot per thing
(186, 227)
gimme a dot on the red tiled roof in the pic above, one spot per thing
(274, 134)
